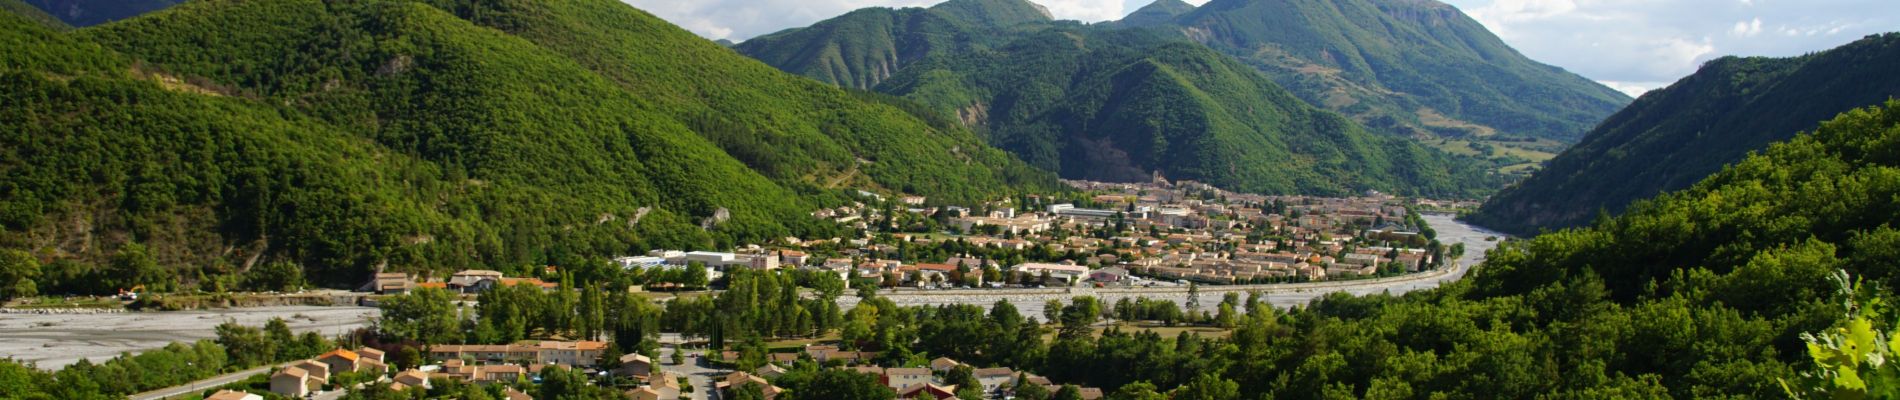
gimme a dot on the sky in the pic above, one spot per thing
(1630, 45)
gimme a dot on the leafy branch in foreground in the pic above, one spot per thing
(1853, 359)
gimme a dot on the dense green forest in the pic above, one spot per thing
(1120, 105)
(346, 137)
(1676, 136)
(94, 12)
(1160, 12)
(1413, 68)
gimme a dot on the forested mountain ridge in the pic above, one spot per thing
(1157, 13)
(82, 13)
(1117, 105)
(393, 134)
(1675, 136)
(862, 48)
(1415, 68)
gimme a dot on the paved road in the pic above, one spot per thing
(697, 372)
(201, 385)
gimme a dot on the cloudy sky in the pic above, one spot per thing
(1631, 45)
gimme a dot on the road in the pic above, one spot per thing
(201, 385)
(696, 370)
(1030, 302)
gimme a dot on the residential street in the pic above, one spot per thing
(696, 370)
(207, 383)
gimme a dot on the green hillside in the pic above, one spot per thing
(1105, 104)
(1415, 68)
(32, 13)
(348, 137)
(1120, 105)
(1704, 293)
(1676, 136)
(93, 12)
(1160, 12)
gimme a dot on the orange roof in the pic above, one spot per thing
(437, 285)
(341, 353)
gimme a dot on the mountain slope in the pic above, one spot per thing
(1410, 67)
(1705, 293)
(1160, 12)
(353, 137)
(862, 48)
(28, 11)
(1676, 136)
(84, 13)
(1119, 105)
(809, 135)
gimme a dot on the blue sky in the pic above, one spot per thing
(1631, 45)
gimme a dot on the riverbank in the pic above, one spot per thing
(54, 340)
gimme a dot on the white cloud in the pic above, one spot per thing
(1634, 89)
(1746, 28)
(1635, 43)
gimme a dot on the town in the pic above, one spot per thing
(774, 319)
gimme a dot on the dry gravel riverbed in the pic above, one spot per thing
(54, 340)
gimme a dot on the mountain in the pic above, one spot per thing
(1409, 67)
(93, 12)
(1160, 12)
(864, 47)
(32, 13)
(1676, 136)
(1120, 105)
(352, 137)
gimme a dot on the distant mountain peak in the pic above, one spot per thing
(1156, 13)
(994, 13)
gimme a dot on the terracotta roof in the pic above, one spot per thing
(340, 353)
(229, 395)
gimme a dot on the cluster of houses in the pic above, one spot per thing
(467, 281)
(909, 382)
(469, 363)
(1176, 233)
(301, 378)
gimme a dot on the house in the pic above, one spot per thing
(571, 353)
(500, 373)
(635, 365)
(389, 283)
(513, 394)
(294, 382)
(233, 395)
(739, 379)
(1109, 275)
(993, 378)
(650, 393)
(899, 378)
(927, 391)
(317, 370)
(1063, 273)
(793, 257)
(582, 353)
(770, 371)
(474, 280)
(370, 353)
(942, 364)
(340, 360)
(409, 379)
